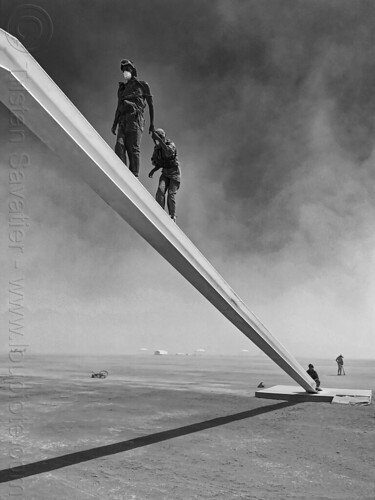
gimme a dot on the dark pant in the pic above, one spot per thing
(172, 186)
(128, 143)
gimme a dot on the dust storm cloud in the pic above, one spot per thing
(271, 105)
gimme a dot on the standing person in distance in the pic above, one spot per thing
(340, 364)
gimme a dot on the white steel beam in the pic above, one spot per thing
(30, 94)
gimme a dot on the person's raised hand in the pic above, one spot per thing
(155, 136)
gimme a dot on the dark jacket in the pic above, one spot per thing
(167, 160)
(131, 104)
(313, 374)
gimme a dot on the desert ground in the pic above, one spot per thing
(179, 427)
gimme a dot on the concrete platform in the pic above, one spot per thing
(326, 395)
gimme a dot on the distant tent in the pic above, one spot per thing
(199, 351)
(160, 352)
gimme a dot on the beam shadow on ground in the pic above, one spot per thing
(51, 464)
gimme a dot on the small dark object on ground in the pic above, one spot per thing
(261, 385)
(101, 374)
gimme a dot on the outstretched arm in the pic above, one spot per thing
(169, 149)
(150, 102)
(151, 110)
(153, 171)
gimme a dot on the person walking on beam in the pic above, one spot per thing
(165, 157)
(132, 95)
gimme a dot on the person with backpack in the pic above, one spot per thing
(132, 95)
(165, 157)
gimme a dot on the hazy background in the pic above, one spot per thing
(271, 104)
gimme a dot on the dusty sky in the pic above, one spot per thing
(271, 104)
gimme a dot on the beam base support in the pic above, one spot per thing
(326, 395)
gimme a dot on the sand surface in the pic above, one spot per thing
(179, 427)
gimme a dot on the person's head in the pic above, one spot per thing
(128, 69)
(311, 366)
(161, 132)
